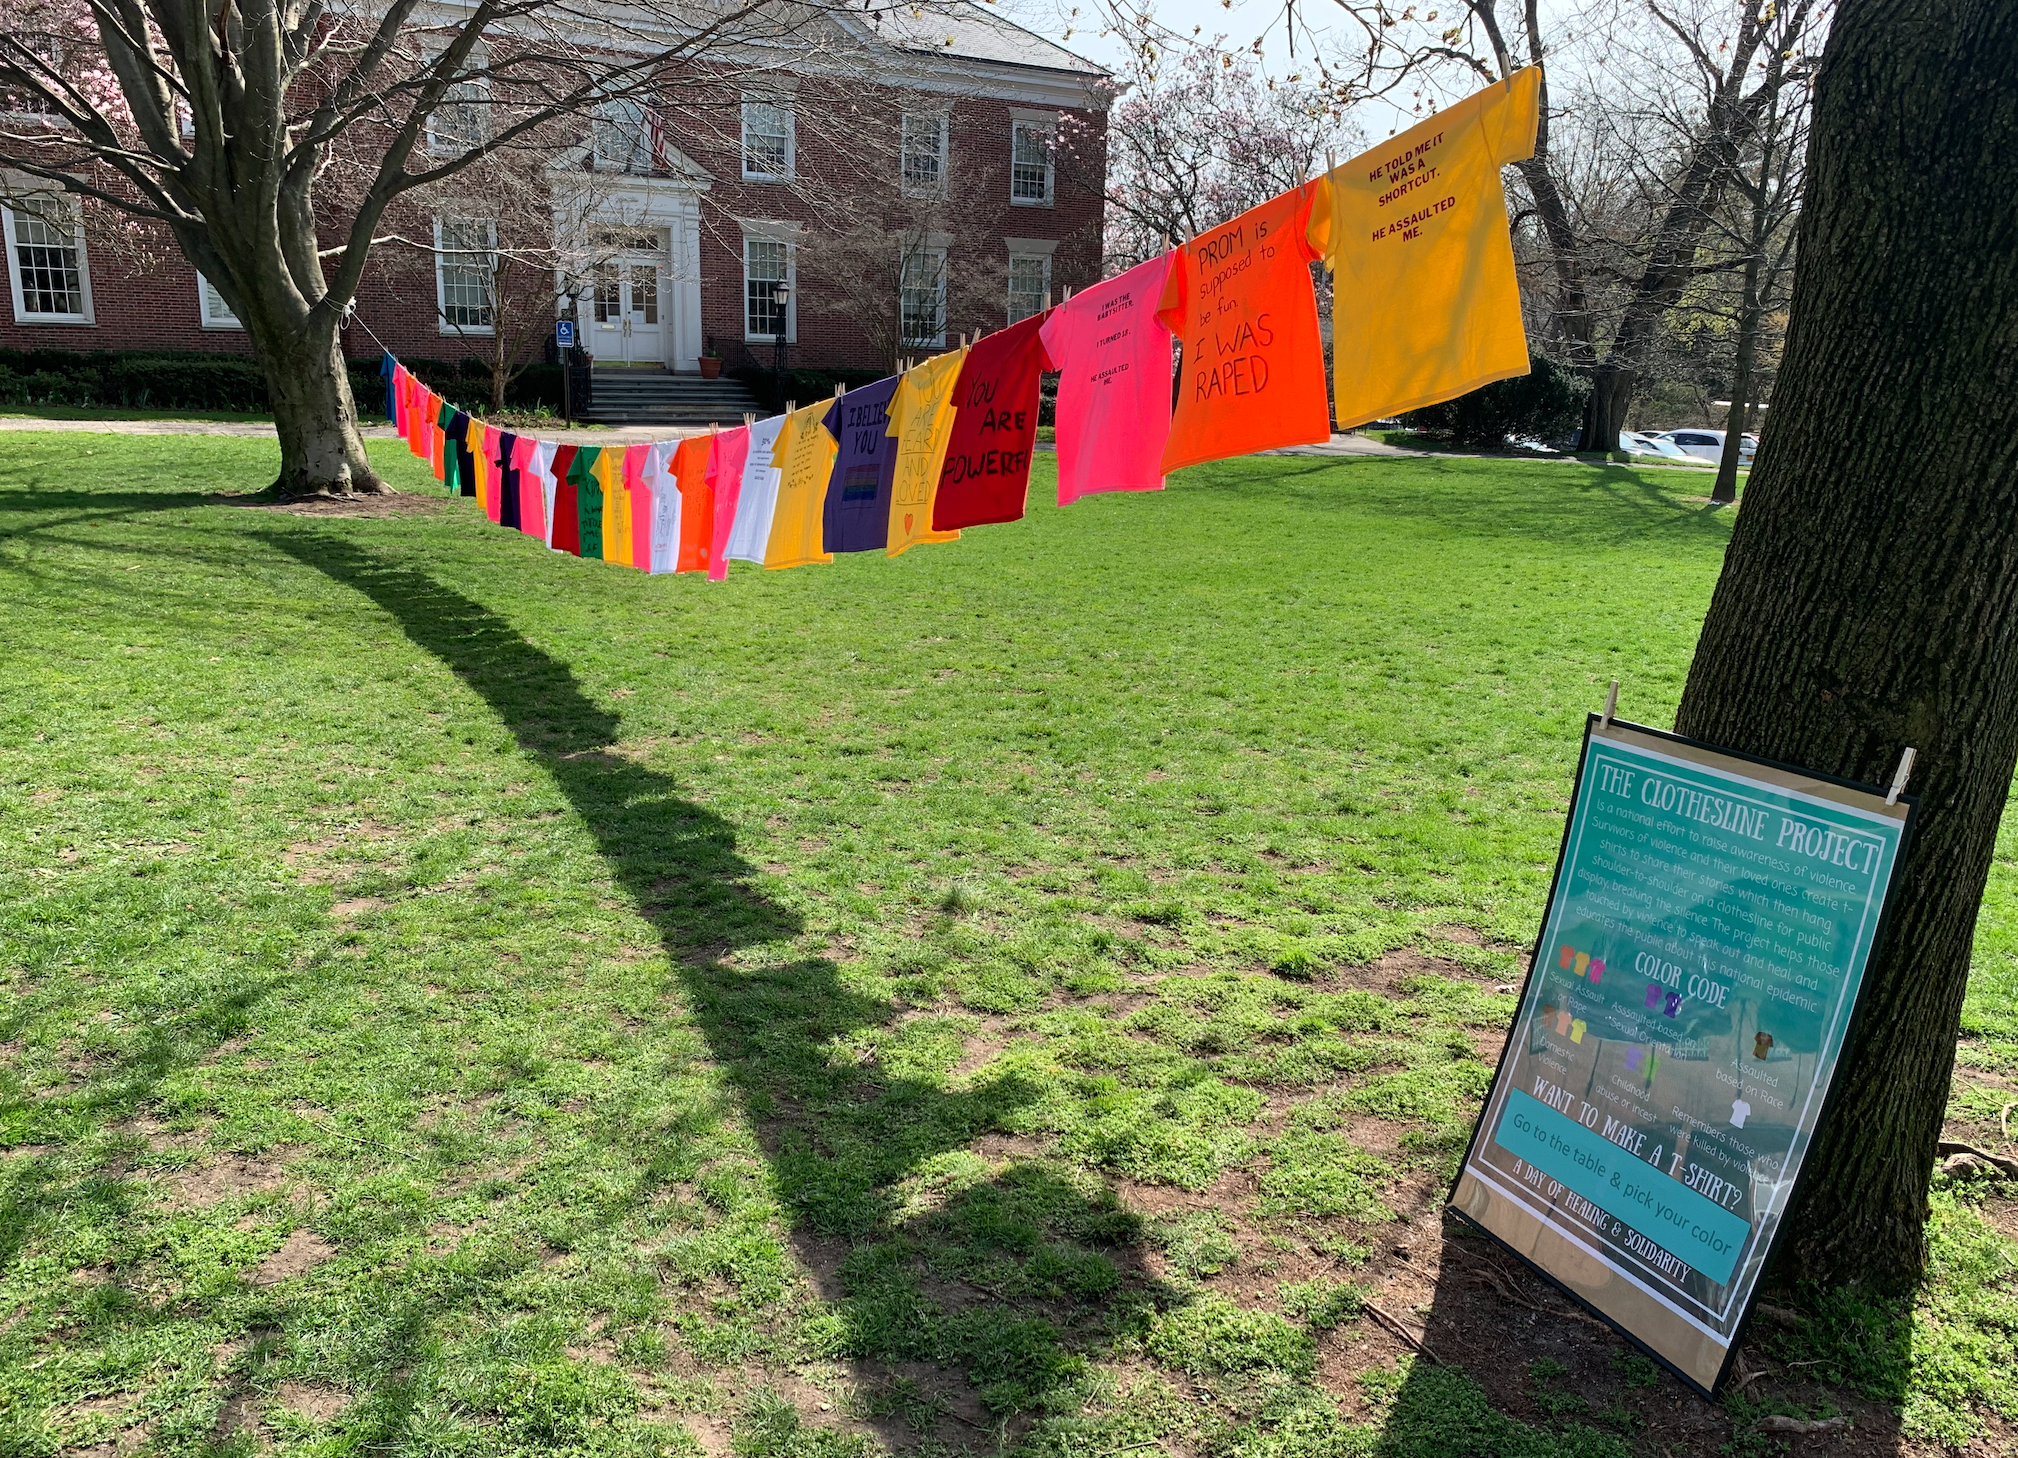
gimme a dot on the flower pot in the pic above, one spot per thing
(711, 368)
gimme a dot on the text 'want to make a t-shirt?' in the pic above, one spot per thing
(1240, 299)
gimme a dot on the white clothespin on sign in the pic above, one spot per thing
(1899, 777)
(1611, 706)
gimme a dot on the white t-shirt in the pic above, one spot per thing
(750, 537)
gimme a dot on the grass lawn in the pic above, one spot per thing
(463, 1000)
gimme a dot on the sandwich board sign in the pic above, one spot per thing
(1688, 1000)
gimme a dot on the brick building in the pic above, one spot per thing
(866, 199)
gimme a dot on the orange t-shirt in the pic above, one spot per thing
(1425, 305)
(689, 470)
(1240, 299)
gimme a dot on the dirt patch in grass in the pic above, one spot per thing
(300, 1253)
(231, 1176)
(364, 507)
(316, 1403)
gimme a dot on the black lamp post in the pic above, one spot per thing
(783, 297)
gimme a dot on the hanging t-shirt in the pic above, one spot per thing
(665, 507)
(856, 514)
(750, 536)
(525, 471)
(921, 419)
(616, 505)
(726, 461)
(1425, 305)
(455, 474)
(804, 456)
(439, 452)
(1113, 358)
(640, 491)
(588, 501)
(544, 456)
(697, 502)
(566, 515)
(506, 445)
(986, 475)
(388, 369)
(1240, 300)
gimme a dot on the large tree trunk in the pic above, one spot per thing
(1869, 600)
(321, 452)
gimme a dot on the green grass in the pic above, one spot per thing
(464, 1000)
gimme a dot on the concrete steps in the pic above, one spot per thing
(653, 397)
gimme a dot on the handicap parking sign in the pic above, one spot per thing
(564, 333)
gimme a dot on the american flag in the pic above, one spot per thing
(655, 136)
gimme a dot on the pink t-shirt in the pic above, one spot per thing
(725, 481)
(532, 499)
(641, 505)
(1113, 358)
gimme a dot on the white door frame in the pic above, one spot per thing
(673, 205)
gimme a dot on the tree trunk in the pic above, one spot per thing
(1869, 600)
(321, 452)
(1611, 397)
(1725, 492)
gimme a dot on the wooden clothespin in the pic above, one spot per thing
(1611, 706)
(1047, 298)
(839, 389)
(1068, 295)
(748, 420)
(1330, 161)
(790, 406)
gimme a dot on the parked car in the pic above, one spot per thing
(1708, 445)
(1638, 443)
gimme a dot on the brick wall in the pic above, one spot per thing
(845, 199)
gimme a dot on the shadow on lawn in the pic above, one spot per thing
(1007, 1279)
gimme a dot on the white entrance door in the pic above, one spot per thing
(624, 314)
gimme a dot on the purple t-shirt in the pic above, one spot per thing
(857, 512)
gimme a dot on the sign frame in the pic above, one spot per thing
(1907, 808)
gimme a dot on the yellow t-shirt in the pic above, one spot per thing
(921, 417)
(474, 440)
(609, 469)
(1425, 305)
(804, 458)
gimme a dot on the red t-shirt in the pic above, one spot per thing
(1240, 299)
(987, 472)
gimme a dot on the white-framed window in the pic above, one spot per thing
(465, 272)
(1030, 169)
(1029, 282)
(462, 119)
(768, 266)
(211, 310)
(770, 150)
(47, 270)
(923, 164)
(921, 298)
(622, 137)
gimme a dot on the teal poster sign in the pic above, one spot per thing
(1689, 998)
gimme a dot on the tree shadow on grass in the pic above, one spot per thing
(1006, 1277)
(1509, 1366)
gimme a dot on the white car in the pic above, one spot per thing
(1638, 443)
(1708, 445)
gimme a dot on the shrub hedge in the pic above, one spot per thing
(168, 380)
(1543, 405)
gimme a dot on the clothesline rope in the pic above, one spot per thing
(1426, 307)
